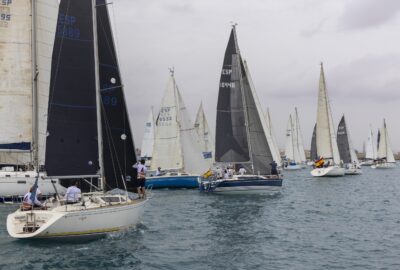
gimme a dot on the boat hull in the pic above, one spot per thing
(14, 185)
(385, 165)
(75, 222)
(254, 184)
(170, 181)
(367, 163)
(332, 171)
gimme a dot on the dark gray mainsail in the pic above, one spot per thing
(313, 151)
(231, 144)
(240, 136)
(343, 142)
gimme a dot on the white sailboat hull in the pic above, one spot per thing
(331, 171)
(353, 171)
(75, 220)
(385, 165)
(367, 163)
(14, 185)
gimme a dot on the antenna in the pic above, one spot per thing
(233, 24)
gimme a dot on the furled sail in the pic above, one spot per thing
(325, 133)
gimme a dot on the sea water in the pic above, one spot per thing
(350, 222)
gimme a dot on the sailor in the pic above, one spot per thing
(141, 176)
(274, 170)
(242, 171)
(158, 172)
(226, 174)
(28, 204)
(73, 193)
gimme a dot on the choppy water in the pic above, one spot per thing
(339, 223)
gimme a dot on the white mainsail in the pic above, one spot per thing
(148, 137)
(299, 137)
(385, 150)
(325, 132)
(203, 131)
(27, 38)
(271, 139)
(176, 145)
(292, 149)
(370, 147)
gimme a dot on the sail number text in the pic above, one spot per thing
(66, 27)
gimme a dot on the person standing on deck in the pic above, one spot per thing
(141, 175)
(274, 170)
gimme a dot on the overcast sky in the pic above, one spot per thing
(283, 42)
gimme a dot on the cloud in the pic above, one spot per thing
(363, 14)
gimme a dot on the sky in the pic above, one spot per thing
(283, 41)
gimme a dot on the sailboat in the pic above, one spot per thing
(148, 139)
(273, 145)
(385, 158)
(177, 146)
(325, 135)
(27, 37)
(204, 133)
(241, 141)
(346, 150)
(370, 150)
(89, 134)
(294, 151)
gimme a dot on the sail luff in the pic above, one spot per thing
(300, 138)
(272, 139)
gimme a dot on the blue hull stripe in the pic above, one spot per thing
(173, 182)
(252, 182)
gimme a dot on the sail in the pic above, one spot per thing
(378, 139)
(346, 150)
(71, 144)
(325, 133)
(17, 56)
(148, 137)
(167, 152)
(118, 147)
(370, 151)
(289, 149)
(299, 137)
(261, 156)
(204, 133)
(385, 151)
(46, 23)
(313, 151)
(231, 143)
(16, 79)
(272, 139)
(193, 159)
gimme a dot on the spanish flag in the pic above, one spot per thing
(207, 173)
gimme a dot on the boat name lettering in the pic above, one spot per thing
(66, 28)
(226, 71)
(6, 2)
(227, 84)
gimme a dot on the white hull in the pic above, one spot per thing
(17, 184)
(385, 165)
(367, 163)
(332, 171)
(96, 217)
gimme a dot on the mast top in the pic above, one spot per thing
(172, 71)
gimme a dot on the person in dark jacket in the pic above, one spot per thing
(274, 166)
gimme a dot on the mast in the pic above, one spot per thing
(35, 107)
(246, 114)
(178, 114)
(98, 96)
